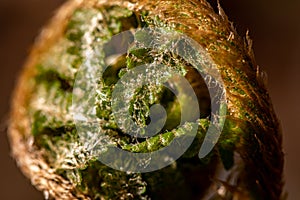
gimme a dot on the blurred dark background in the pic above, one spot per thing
(274, 26)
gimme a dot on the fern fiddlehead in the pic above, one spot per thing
(245, 163)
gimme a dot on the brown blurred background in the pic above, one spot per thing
(274, 27)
